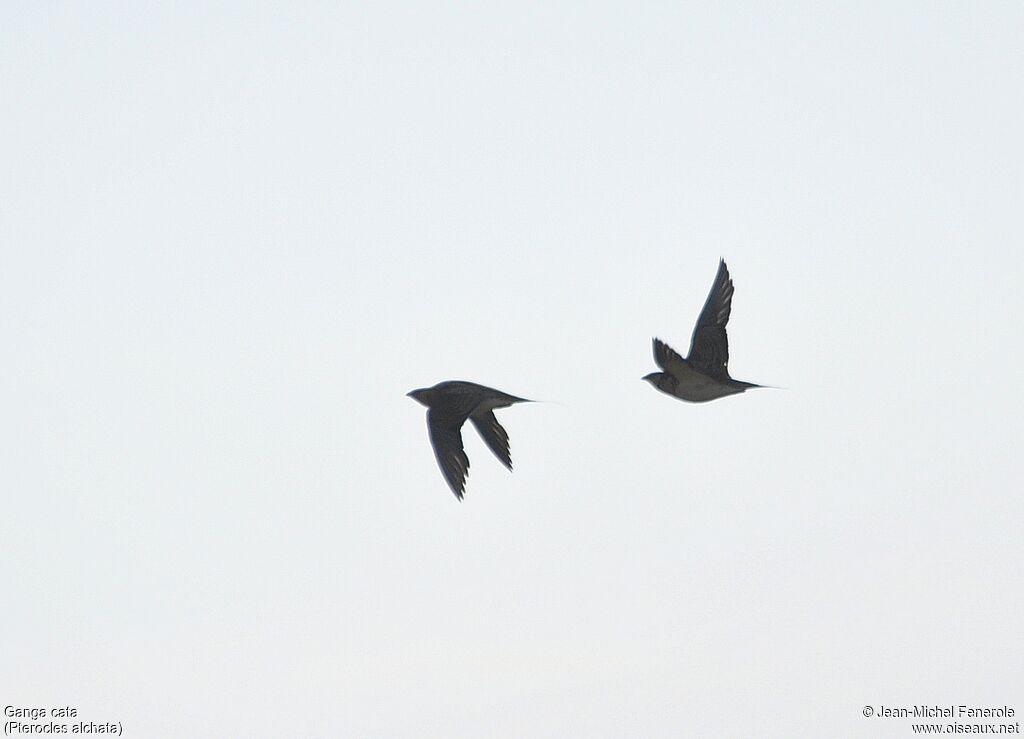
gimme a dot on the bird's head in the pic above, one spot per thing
(652, 378)
(422, 395)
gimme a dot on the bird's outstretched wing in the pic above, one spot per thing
(446, 438)
(667, 358)
(709, 347)
(495, 436)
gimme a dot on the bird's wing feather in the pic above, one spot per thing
(446, 438)
(709, 347)
(495, 436)
(667, 358)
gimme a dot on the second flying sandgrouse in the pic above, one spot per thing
(704, 374)
(449, 404)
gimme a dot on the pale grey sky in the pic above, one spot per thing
(234, 235)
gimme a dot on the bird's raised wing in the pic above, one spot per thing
(495, 436)
(446, 438)
(668, 358)
(709, 347)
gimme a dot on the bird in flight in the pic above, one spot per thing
(704, 374)
(449, 404)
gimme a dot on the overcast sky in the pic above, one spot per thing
(234, 235)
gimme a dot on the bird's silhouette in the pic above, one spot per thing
(449, 404)
(704, 374)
